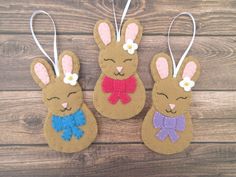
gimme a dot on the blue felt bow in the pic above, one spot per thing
(69, 125)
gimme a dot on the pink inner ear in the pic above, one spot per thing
(189, 70)
(162, 67)
(131, 31)
(67, 64)
(105, 33)
(42, 73)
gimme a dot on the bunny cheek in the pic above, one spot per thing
(62, 99)
(114, 57)
(167, 94)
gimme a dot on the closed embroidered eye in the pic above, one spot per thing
(52, 98)
(71, 93)
(183, 98)
(109, 59)
(158, 93)
(129, 59)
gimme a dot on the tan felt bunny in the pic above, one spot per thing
(119, 93)
(167, 127)
(70, 126)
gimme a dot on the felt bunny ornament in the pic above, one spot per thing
(167, 127)
(119, 92)
(69, 126)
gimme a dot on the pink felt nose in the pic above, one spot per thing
(64, 105)
(172, 106)
(119, 68)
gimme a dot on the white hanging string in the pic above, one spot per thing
(176, 68)
(55, 62)
(122, 18)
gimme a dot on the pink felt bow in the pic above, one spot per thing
(119, 89)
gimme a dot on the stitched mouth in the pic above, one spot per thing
(66, 109)
(170, 111)
(119, 74)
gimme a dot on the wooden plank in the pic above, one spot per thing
(115, 160)
(213, 17)
(22, 115)
(216, 55)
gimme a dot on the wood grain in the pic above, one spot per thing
(214, 53)
(22, 114)
(215, 17)
(128, 160)
(118, 149)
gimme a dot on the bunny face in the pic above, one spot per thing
(118, 64)
(172, 97)
(62, 95)
(118, 59)
(62, 99)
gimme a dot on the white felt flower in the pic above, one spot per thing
(187, 84)
(130, 46)
(71, 78)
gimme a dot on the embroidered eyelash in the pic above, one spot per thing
(53, 98)
(162, 94)
(127, 60)
(71, 93)
(108, 59)
(181, 98)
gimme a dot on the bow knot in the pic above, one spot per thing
(119, 89)
(168, 126)
(69, 125)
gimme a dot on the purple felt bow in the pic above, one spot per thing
(168, 126)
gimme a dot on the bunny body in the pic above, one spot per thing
(74, 145)
(120, 110)
(166, 146)
(63, 101)
(169, 101)
(125, 99)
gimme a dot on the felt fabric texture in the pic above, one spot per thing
(69, 125)
(105, 33)
(41, 72)
(131, 32)
(170, 100)
(118, 64)
(162, 68)
(168, 126)
(63, 100)
(189, 70)
(119, 89)
(67, 64)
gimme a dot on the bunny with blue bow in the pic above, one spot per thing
(69, 126)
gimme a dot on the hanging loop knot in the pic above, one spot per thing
(55, 62)
(176, 68)
(118, 29)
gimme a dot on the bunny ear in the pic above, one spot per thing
(103, 33)
(161, 67)
(68, 63)
(132, 30)
(190, 68)
(42, 72)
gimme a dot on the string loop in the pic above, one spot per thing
(122, 18)
(55, 62)
(176, 68)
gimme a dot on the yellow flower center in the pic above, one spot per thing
(70, 78)
(129, 46)
(186, 84)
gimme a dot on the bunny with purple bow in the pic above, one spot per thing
(167, 127)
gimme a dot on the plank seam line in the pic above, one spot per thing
(107, 143)
(147, 90)
(91, 34)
